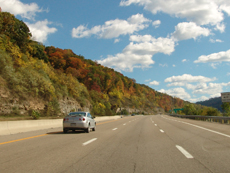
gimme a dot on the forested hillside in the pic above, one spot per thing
(30, 69)
(212, 102)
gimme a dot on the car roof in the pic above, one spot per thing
(78, 112)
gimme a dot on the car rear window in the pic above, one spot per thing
(77, 114)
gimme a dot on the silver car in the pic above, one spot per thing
(79, 121)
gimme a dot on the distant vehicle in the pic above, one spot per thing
(132, 114)
(79, 121)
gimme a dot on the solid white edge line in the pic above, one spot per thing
(183, 151)
(199, 127)
(86, 143)
(208, 130)
(115, 129)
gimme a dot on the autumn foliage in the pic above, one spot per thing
(120, 90)
(52, 73)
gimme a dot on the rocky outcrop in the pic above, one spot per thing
(156, 110)
(10, 103)
(69, 104)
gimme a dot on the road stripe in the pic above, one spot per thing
(162, 130)
(155, 124)
(107, 122)
(23, 139)
(208, 130)
(88, 142)
(115, 129)
(124, 124)
(183, 151)
(200, 127)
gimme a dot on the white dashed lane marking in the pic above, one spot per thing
(88, 142)
(183, 151)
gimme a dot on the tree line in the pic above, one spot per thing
(50, 73)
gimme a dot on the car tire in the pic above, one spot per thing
(88, 129)
(65, 130)
(94, 129)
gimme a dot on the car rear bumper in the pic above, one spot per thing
(75, 126)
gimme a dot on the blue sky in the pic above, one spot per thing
(178, 47)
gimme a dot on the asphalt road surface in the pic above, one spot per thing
(157, 143)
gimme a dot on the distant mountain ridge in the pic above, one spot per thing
(212, 102)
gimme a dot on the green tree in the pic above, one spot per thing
(212, 112)
(190, 109)
(15, 29)
(226, 108)
(38, 51)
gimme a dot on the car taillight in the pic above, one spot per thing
(83, 119)
(66, 119)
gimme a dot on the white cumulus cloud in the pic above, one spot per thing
(138, 54)
(113, 28)
(215, 41)
(185, 31)
(154, 83)
(116, 40)
(221, 27)
(156, 23)
(215, 57)
(177, 92)
(212, 89)
(16, 7)
(225, 6)
(201, 12)
(40, 30)
(187, 78)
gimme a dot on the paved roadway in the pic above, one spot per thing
(157, 143)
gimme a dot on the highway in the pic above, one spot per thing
(157, 143)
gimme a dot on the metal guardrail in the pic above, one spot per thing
(223, 120)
